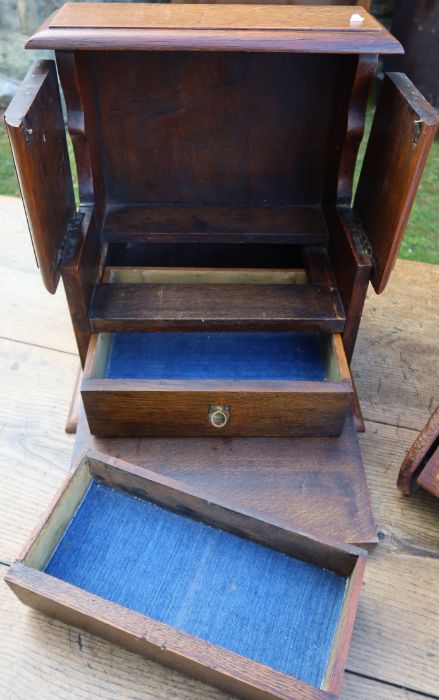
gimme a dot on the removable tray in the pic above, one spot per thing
(199, 384)
(256, 608)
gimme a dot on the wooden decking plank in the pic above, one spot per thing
(34, 449)
(358, 688)
(395, 360)
(28, 313)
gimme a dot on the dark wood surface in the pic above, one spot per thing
(428, 479)
(287, 224)
(193, 164)
(35, 126)
(358, 77)
(418, 457)
(162, 643)
(403, 130)
(130, 408)
(137, 307)
(80, 270)
(172, 27)
(315, 484)
(352, 268)
(68, 77)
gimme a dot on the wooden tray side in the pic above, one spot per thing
(161, 642)
(199, 503)
(35, 126)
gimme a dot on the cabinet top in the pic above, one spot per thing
(168, 27)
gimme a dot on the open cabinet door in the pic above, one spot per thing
(35, 125)
(403, 130)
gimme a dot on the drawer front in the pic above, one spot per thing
(269, 413)
(212, 384)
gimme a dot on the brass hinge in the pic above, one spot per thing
(71, 239)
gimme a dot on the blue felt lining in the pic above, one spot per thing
(169, 355)
(228, 590)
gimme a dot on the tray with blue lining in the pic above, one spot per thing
(206, 383)
(254, 607)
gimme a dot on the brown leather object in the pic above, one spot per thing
(419, 456)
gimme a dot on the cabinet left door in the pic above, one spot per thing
(35, 126)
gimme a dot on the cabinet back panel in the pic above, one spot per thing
(213, 128)
(242, 596)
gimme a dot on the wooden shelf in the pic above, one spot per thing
(137, 307)
(289, 224)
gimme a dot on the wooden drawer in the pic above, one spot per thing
(167, 570)
(213, 383)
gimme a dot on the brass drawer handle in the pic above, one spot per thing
(219, 416)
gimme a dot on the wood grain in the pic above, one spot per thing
(118, 16)
(286, 224)
(44, 657)
(68, 76)
(34, 448)
(156, 640)
(162, 642)
(243, 472)
(162, 409)
(352, 269)
(281, 28)
(395, 360)
(428, 479)
(403, 130)
(81, 270)
(35, 126)
(416, 459)
(134, 307)
(211, 173)
(182, 407)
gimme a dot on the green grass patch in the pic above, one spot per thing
(8, 177)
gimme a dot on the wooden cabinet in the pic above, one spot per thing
(215, 271)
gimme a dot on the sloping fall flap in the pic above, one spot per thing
(35, 125)
(403, 130)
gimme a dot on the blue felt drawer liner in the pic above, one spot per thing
(288, 356)
(235, 593)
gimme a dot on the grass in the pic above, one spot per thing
(421, 241)
(8, 178)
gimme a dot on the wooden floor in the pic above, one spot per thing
(395, 649)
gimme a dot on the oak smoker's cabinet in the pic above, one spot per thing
(216, 270)
(215, 149)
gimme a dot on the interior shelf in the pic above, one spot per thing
(271, 224)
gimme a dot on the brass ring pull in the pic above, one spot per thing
(219, 416)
